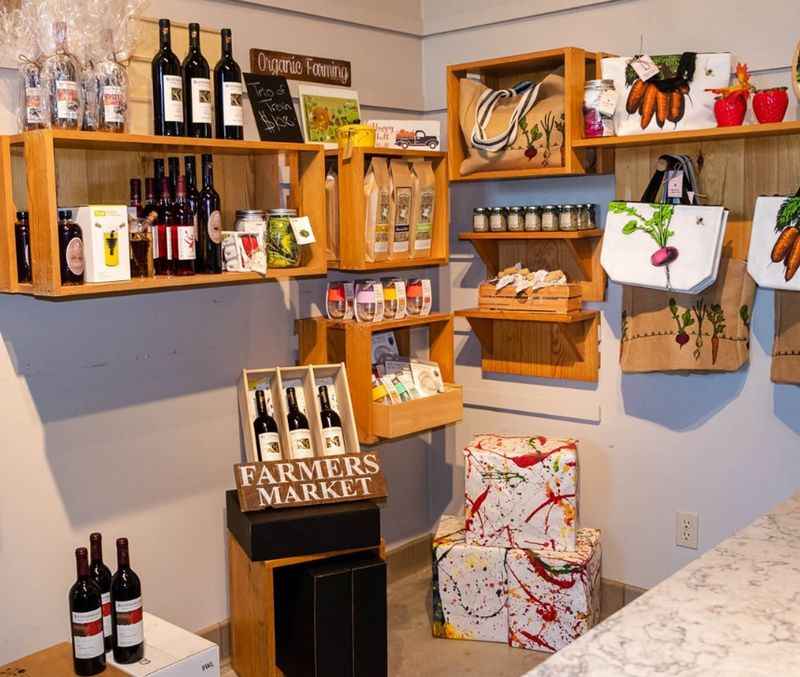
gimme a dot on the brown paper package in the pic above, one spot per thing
(402, 206)
(377, 194)
(423, 211)
(786, 348)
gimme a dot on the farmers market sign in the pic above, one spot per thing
(313, 481)
(300, 67)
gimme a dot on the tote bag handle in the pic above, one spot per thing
(667, 163)
(485, 109)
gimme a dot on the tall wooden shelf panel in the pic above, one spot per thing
(352, 210)
(322, 341)
(64, 168)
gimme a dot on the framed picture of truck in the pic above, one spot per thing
(415, 134)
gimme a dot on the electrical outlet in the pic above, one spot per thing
(686, 527)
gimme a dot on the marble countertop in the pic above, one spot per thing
(735, 611)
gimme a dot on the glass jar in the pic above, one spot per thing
(533, 219)
(282, 248)
(251, 221)
(336, 301)
(568, 217)
(497, 220)
(515, 220)
(549, 220)
(587, 220)
(599, 106)
(414, 297)
(32, 96)
(480, 219)
(366, 301)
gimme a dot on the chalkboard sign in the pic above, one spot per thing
(272, 107)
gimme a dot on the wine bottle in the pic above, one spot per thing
(228, 92)
(197, 87)
(209, 222)
(135, 201)
(163, 235)
(150, 215)
(86, 620)
(174, 166)
(183, 245)
(126, 609)
(61, 73)
(299, 434)
(268, 446)
(192, 196)
(70, 238)
(22, 232)
(112, 79)
(158, 174)
(101, 575)
(167, 87)
(331, 425)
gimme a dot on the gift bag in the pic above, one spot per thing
(774, 256)
(666, 93)
(663, 245)
(664, 331)
(517, 128)
(786, 348)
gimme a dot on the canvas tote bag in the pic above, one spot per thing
(665, 332)
(674, 98)
(517, 128)
(786, 348)
(774, 256)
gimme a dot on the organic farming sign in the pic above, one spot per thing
(300, 67)
(286, 484)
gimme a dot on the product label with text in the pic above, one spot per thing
(74, 256)
(67, 103)
(232, 114)
(106, 599)
(334, 441)
(173, 98)
(215, 227)
(130, 626)
(113, 105)
(270, 446)
(301, 443)
(186, 249)
(87, 633)
(201, 100)
(33, 105)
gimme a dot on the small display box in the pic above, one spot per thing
(563, 298)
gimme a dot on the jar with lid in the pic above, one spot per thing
(568, 217)
(497, 220)
(282, 248)
(533, 218)
(516, 219)
(586, 219)
(599, 106)
(480, 219)
(549, 219)
(251, 221)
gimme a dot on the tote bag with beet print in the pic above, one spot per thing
(663, 331)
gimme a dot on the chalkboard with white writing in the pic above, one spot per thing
(272, 107)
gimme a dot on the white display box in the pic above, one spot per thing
(106, 248)
(170, 651)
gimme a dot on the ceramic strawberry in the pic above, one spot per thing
(730, 110)
(770, 105)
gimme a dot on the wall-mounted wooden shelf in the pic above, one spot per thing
(42, 170)
(352, 210)
(577, 253)
(321, 341)
(547, 345)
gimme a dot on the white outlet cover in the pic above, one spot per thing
(686, 529)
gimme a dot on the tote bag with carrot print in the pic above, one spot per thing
(774, 256)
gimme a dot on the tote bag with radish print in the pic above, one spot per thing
(774, 256)
(666, 93)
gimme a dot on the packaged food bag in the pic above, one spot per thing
(402, 203)
(377, 191)
(424, 207)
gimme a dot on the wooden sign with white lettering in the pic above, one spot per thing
(300, 67)
(312, 481)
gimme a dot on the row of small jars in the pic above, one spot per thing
(534, 218)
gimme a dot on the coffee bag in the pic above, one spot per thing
(377, 191)
(402, 204)
(423, 209)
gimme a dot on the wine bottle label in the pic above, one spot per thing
(33, 105)
(113, 104)
(301, 443)
(334, 441)
(215, 227)
(270, 446)
(154, 237)
(74, 256)
(106, 599)
(186, 250)
(232, 115)
(173, 98)
(130, 628)
(201, 100)
(67, 103)
(87, 633)
(170, 255)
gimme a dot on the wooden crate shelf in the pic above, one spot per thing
(323, 341)
(547, 345)
(42, 170)
(352, 210)
(576, 65)
(577, 253)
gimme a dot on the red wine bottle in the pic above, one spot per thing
(268, 445)
(209, 222)
(158, 174)
(183, 245)
(167, 87)
(192, 196)
(163, 263)
(86, 620)
(101, 575)
(197, 88)
(22, 234)
(126, 609)
(70, 238)
(228, 92)
(331, 425)
(299, 434)
(174, 165)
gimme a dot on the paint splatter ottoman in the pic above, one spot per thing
(539, 600)
(521, 492)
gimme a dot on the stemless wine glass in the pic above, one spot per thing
(335, 301)
(366, 301)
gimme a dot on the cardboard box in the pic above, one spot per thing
(521, 492)
(170, 651)
(106, 246)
